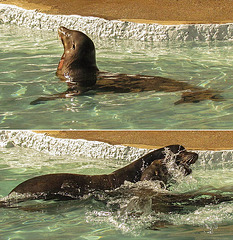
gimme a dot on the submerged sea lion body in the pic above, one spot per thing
(72, 186)
(78, 68)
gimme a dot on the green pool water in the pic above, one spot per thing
(91, 219)
(28, 62)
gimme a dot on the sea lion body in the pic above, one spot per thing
(78, 68)
(72, 186)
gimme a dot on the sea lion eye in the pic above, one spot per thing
(73, 46)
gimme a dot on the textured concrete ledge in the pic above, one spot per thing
(10, 14)
(91, 149)
(74, 147)
(152, 139)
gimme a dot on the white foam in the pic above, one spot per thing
(10, 14)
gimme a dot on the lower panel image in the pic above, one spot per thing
(116, 184)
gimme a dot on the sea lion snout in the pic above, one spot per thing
(61, 30)
(66, 37)
(64, 31)
(186, 158)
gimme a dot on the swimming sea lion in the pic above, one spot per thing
(64, 186)
(78, 68)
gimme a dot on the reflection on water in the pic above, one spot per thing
(28, 64)
(130, 211)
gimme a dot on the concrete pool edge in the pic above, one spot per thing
(151, 139)
(88, 149)
(75, 147)
(11, 14)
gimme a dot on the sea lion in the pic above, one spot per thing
(78, 68)
(64, 186)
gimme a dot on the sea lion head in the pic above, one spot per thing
(185, 159)
(159, 168)
(78, 62)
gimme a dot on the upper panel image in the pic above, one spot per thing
(115, 71)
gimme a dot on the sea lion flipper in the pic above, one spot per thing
(66, 94)
(197, 96)
(41, 100)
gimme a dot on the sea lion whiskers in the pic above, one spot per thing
(185, 157)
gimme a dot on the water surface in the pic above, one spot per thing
(90, 219)
(28, 62)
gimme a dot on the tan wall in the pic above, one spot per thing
(161, 11)
(206, 140)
